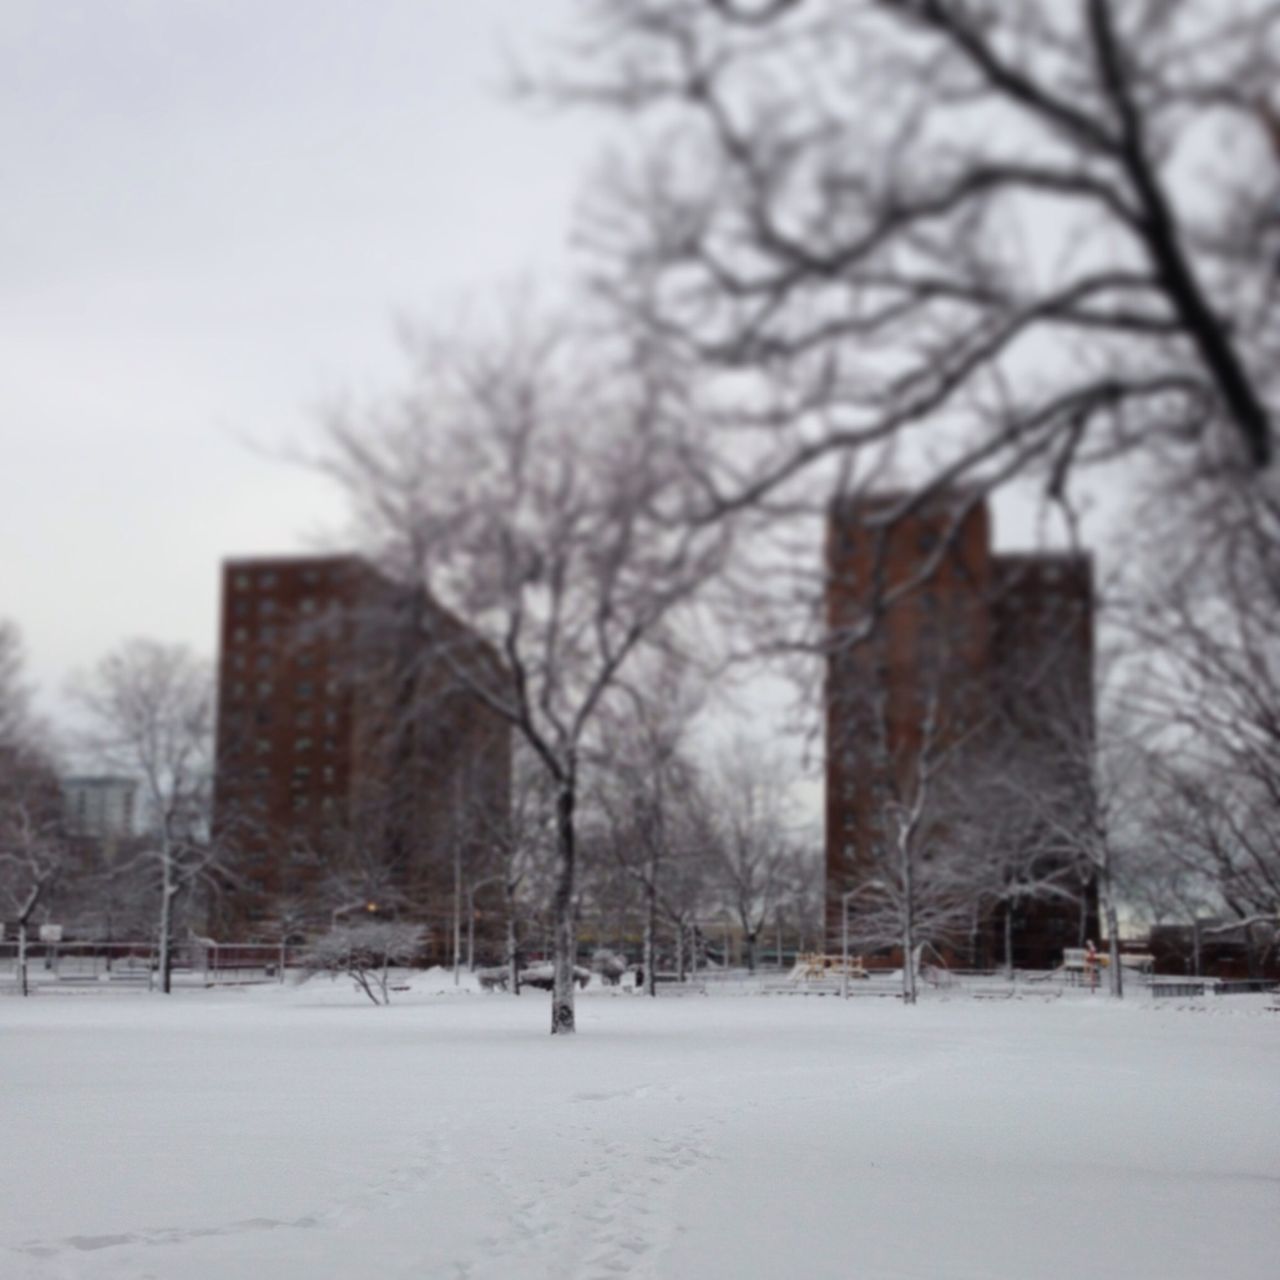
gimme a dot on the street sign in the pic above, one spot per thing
(50, 933)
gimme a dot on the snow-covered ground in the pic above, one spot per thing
(287, 1133)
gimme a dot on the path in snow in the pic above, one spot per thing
(289, 1134)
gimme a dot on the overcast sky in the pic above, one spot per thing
(212, 212)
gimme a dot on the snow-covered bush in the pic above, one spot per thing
(366, 952)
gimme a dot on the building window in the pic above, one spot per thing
(330, 744)
(240, 635)
(240, 608)
(328, 773)
(261, 773)
(307, 604)
(300, 802)
(311, 576)
(264, 662)
(304, 689)
(240, 582)
(264, 688)
(238, 689)
(263, 745)
(266, 606)
(331, 688)
(302, 744)
(266, 580)
(303, 719)
(238, 662)
(306, 658)
(266, 634)
(331, 718)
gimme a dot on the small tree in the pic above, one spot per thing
(365, 952)
(149, 713)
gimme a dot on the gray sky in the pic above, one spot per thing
(212, 211)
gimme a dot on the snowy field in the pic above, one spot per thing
(288, 1133)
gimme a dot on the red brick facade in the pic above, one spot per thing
(925, 620)
(331, 730)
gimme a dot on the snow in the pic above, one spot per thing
(301, 1132)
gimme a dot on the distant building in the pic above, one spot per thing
(99, 807)
(923, 614)
(338, 740)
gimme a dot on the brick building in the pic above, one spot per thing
(344, 742)
(932, 635)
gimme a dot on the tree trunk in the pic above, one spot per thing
(679, 951)
(22, 957)
(1008, 936)
(166, 921)
(650, 938)
(908, 923)
(564, 951)
(750, 938)
(513, 944)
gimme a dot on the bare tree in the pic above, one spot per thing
(34, 853)
(1010, 238)
(650, 798)
(148, 709)
(531, 487)
(1204, 621)
(365, 952)
(752, 840)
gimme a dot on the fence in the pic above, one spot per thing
(131, 964)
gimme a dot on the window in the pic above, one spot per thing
(311, 576)
(261, 773)
(328, 774)
(302, 744)
(266, 634)
(301, 801)
(304, 689)
(266, 580)
(332, 687)
(331, 718)
(240, 582)
(303, 720)
(264, 662)
(238, 689)
(238, 662)
(306, 658)
(240, 608)
(240, 635)
(307, 604)
(330, 744)
(264, 688)
(263, 745)
(266, 606)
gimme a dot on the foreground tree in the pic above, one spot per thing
(531, 485)
(148, 710)
(1022, 236)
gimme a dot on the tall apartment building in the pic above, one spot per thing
(338, 744)
(98, 807)
(936, 643)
